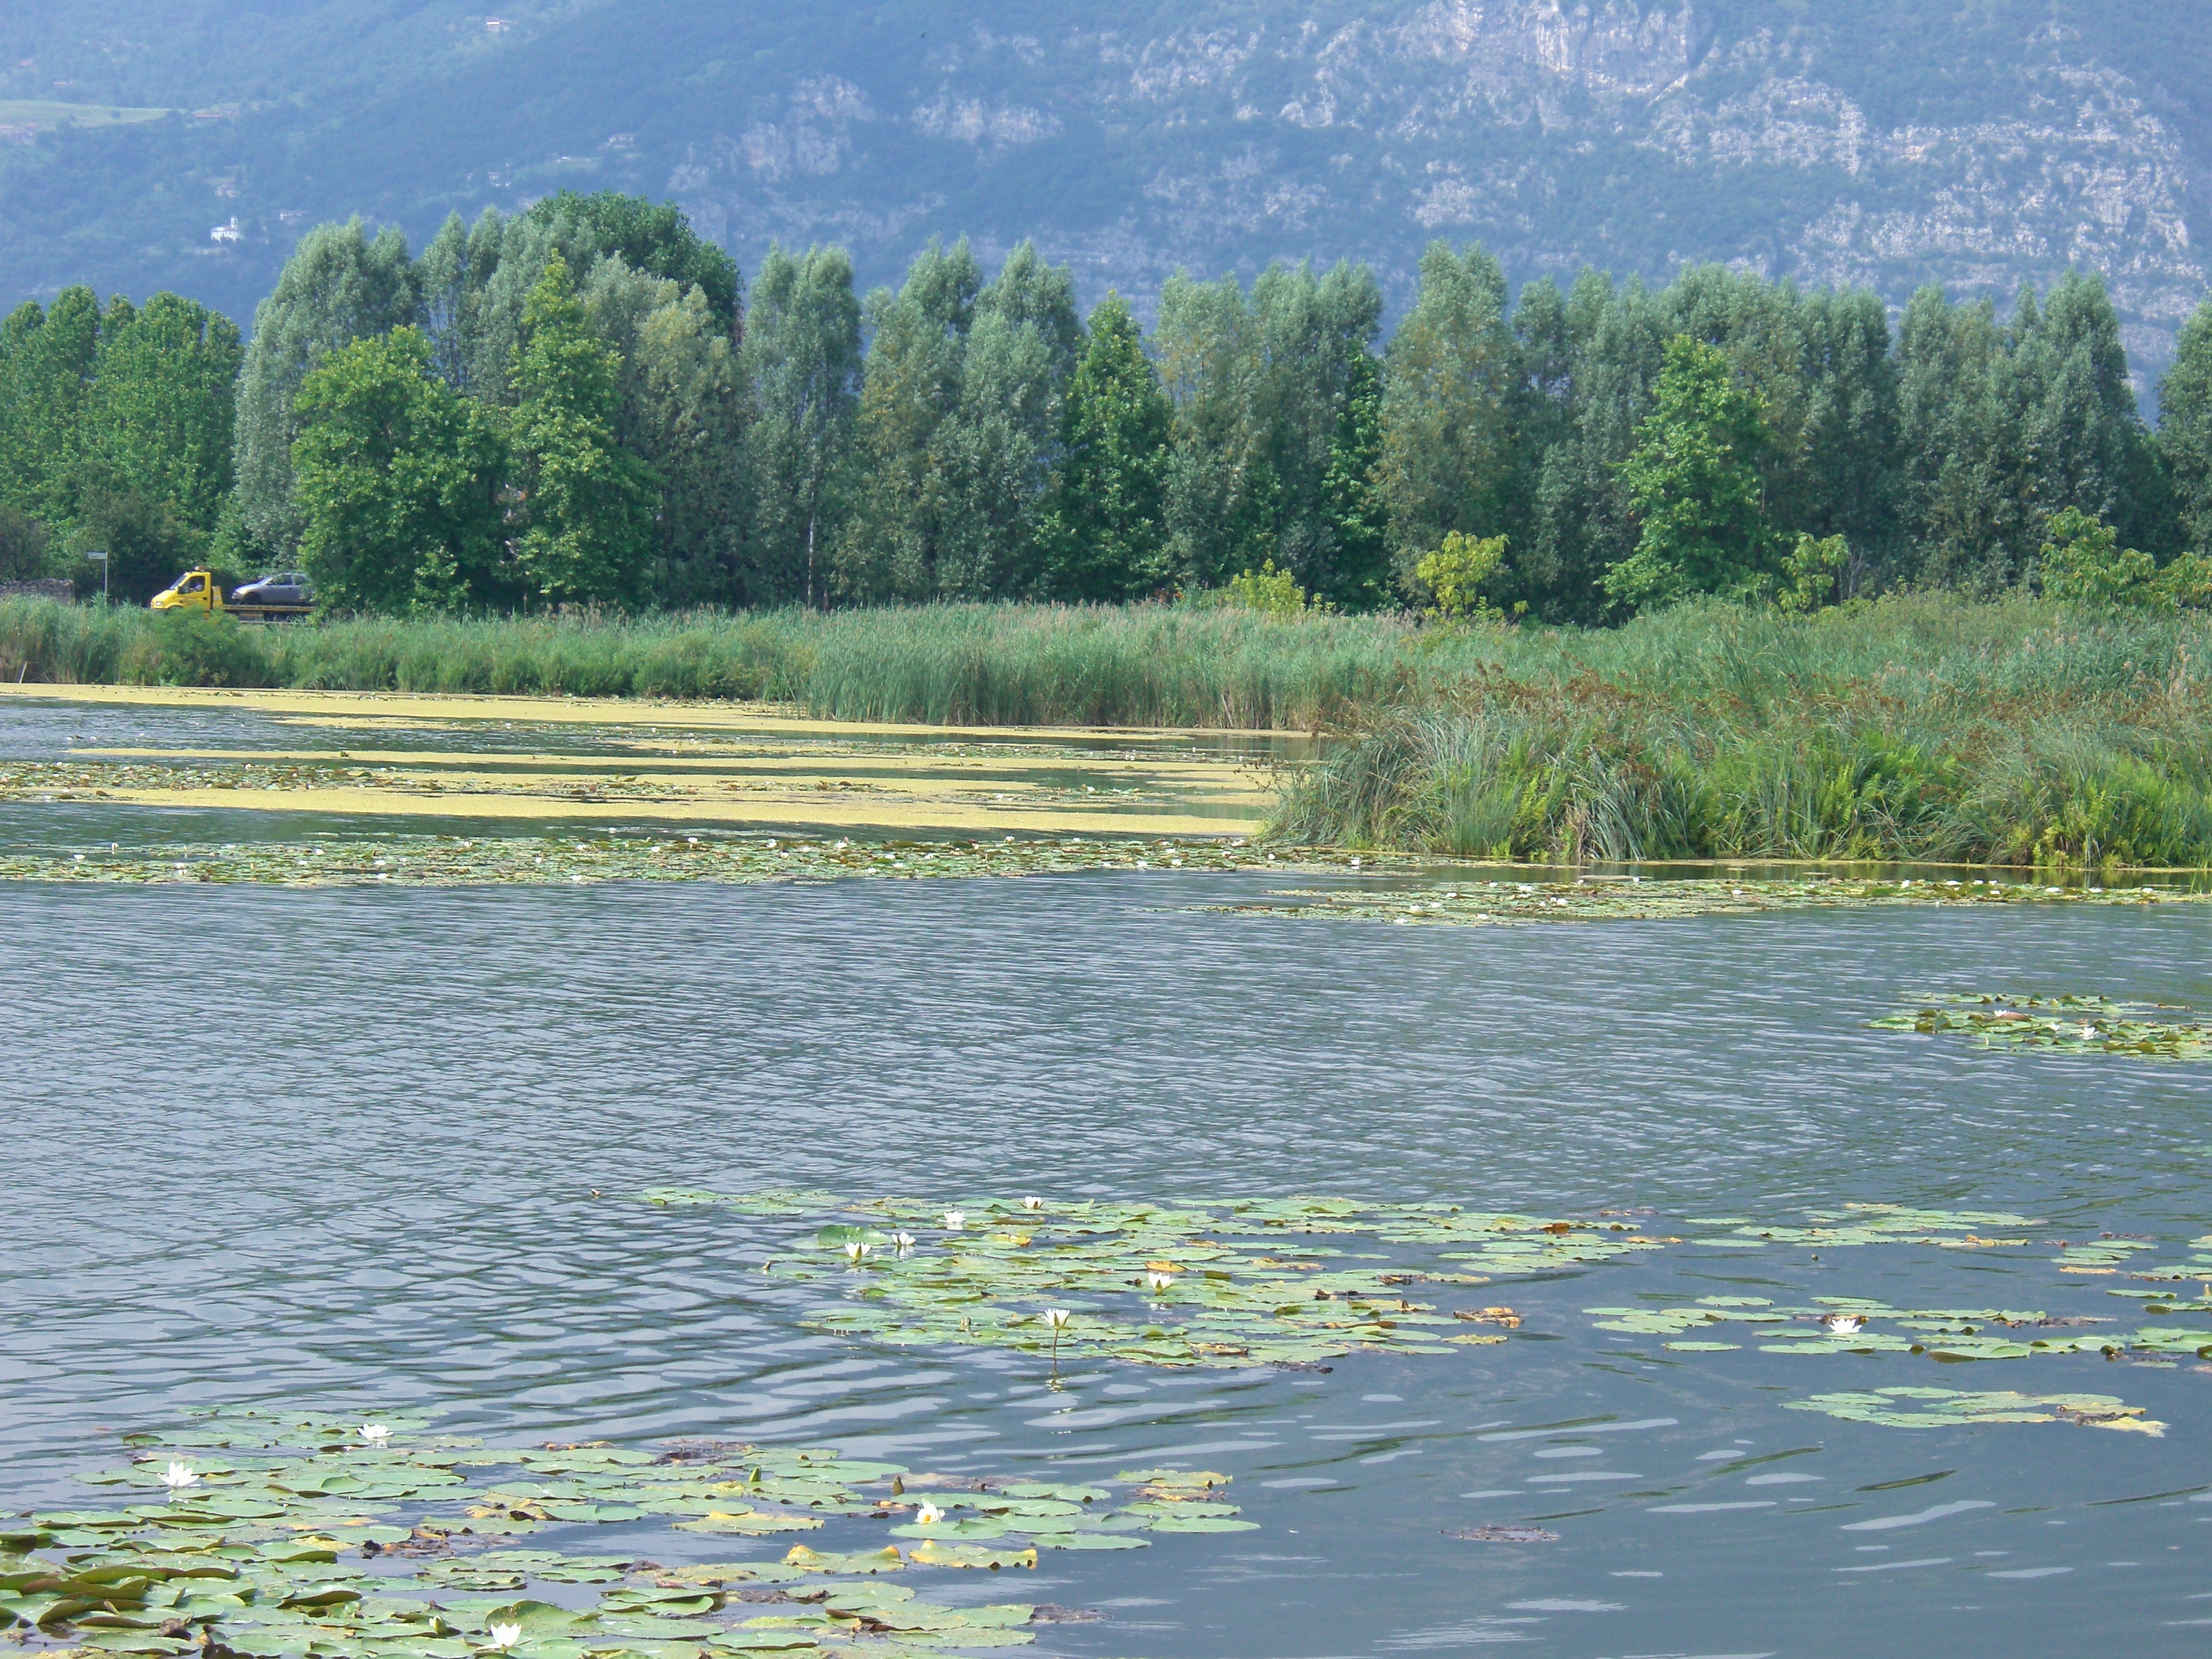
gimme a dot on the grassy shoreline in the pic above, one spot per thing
(963, 665)
(1924, 728)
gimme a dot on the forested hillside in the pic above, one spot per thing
(1980, 143)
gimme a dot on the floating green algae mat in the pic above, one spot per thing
(1512, 901)
(272, 1533)
(467, 860)
(2065, 1024)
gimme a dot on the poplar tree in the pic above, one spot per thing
(1444, 437)
(585, 502)
(338, 286)
(802, 368)
(48, 362)
(916, 361)
(1105, 535)
(996, 449)
(2184, 429)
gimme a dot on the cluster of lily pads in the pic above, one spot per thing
(1515, 900)
(1860, 1224)
(439, 860)
(265, 1534)
(1285, 1282)
(1270, 1281)
(1835, 1324)
(2069, 1024)
(1945, 1408)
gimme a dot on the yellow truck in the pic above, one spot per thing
(280, 598)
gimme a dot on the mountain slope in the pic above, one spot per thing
(1889, 144)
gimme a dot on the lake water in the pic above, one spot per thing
(337, 1148)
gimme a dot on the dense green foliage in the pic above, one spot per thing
(1921, 727)
(115, 431)
(576, 405)
(396, 476)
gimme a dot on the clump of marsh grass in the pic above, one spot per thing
(1923, 728)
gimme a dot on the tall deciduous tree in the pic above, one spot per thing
(1445, 444)
(917, 353)
(586, 503)
(1105, 535)
(2184, 429)
(681, 410)
(159, 418)
(1357, 575)
(998, 449)
(396, 478)
(47, 362)
(338, 286)
(802, 367)
(1694, 479)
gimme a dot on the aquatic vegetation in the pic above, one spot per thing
(447, 861)
(1910, 729)
(1851, 1225)
(1849, 1325)
(2065, 1024)
(1517, 899)
(300, 1542)
(1943, 1408)
(1267, 1281)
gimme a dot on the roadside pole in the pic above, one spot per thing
(100, 554)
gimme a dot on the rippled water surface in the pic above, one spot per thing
(339, 1148)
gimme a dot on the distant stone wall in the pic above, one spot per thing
(46, 587)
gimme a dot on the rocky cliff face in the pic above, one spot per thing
(1885, 141)
(1633, 137)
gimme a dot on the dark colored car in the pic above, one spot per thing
(289, 588)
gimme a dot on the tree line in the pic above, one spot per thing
(582, 404)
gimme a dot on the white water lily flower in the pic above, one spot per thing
(1843, 1324)
(928, 1514)
(374, 1434)
(1158, 1282)
(504, 1636)
(1032, 1204)
(178, 1476)
(1057, 1318)
(954, 1220)
(903, 1241)
(855, 1252)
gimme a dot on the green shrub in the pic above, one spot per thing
(190, 648)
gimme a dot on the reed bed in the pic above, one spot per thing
(987, 664)
(1924, 728)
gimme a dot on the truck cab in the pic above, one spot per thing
(195, 590)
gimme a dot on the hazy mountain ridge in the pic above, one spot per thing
(1877, 145)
